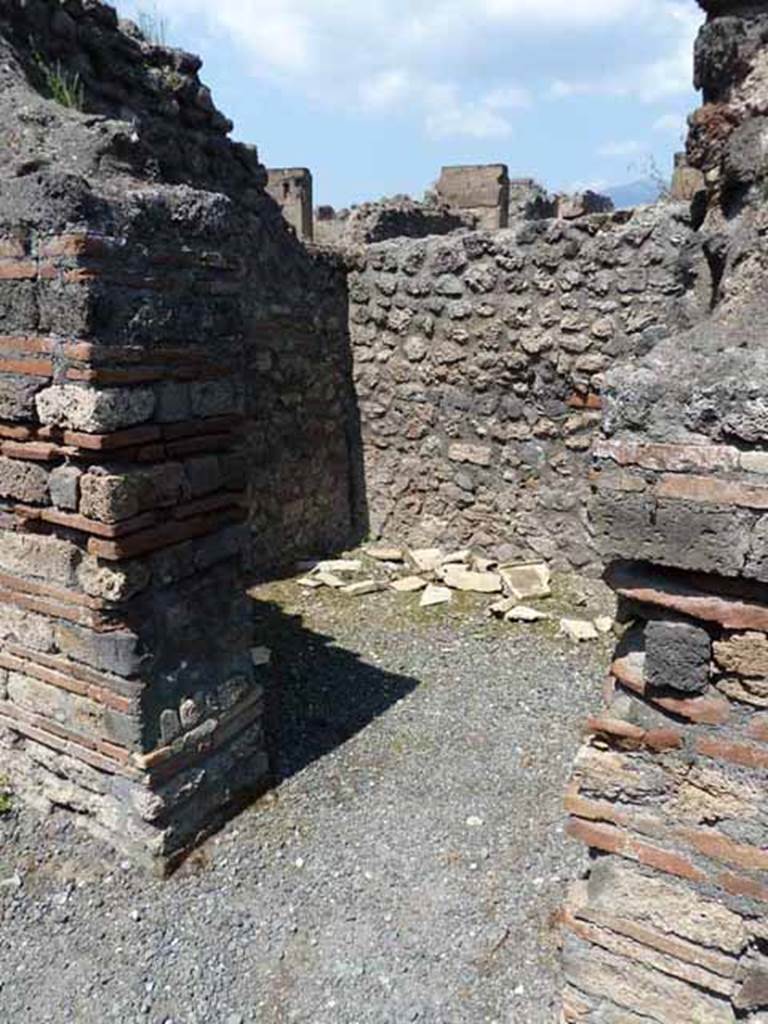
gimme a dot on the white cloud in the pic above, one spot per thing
(446, 62)
(507, 97)
(579, 12)
(625, 147)
(469, 119)
(385, 89)
(447, 114)
(669, 74)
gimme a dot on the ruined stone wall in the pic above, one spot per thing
(670, 921)
(301, 434)
(174, 414)
(394, 217)
(478, 366)
(291, 188)
(480, 190)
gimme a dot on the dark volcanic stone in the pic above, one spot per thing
(677, 655)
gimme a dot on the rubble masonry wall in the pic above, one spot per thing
(478, 360)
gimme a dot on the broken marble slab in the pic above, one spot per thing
(311, 582)
(363, 587)
(459, 578)
(524, 613)
(321, 579)
(578, 630)
(435, 595)
(425, 559)
(328, 579)
(382, 553)
(500, 608)
(458, 557)
(603, 623)
(480, 564)
(508, 608)
(526, 579)
(408, 584)
(338, 565)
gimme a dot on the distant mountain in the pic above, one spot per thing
(634, 193)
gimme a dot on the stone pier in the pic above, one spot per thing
(174, 414)
(670, 922)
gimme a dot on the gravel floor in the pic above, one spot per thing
(405, 868)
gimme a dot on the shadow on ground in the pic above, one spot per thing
(318, 695)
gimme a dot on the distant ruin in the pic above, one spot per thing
(190, 396)
(291, 188)
(479, 196)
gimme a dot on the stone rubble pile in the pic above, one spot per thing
(436, 575)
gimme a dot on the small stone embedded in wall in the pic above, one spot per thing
(64, 487)
(677, 655)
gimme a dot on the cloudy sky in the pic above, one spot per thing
(375, 95)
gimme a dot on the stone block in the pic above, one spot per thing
(675, 534)
(203, 474)
(23, 481)
(754, 462)
(28, 628)
(527, 580)
(112, 581)
(476, 454)
(38, 555)
(234, 471)
(677, 655)
(93, 410)
(460, 578)
(17, 396)
(162, 485)
(219, 397)
(173, 402)
(745, 654)
(73, 712)
(617, 887)
(655, 996)
(110, 497)
(64, 487)
(119, 651)
(433, 595)
(752, 989)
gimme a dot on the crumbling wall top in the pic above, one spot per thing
(85, 92)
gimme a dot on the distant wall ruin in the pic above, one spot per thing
(394, 217)
(465, 197)
(481, 190)
(291, 188)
